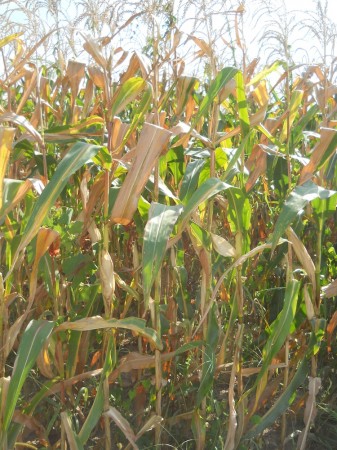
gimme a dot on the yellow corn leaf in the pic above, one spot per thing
(22, 121)
(6, 140)
(295, 102)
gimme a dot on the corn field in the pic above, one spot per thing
(168, 247)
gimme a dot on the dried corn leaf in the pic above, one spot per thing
(123, 425)
(303, 257)
(324, 149)
(330, 329)
(149, 147)
(330, 290)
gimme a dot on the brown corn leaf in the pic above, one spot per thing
(4, 384)
(328, 139)
(106, 273)
(310, 411)
(94, 49)
(139, 404)
(303, 257)
(151, 142)
(232, 424)
(29, 422)
(45, 237)
(205, 48)
(199, 430)
(23, 60)
(88, 97)
(30, 85)
(119, 130)
(330, 290)
(45, 363)
(222, 246)
(330, 329)
(185, 88)
(149, 425)
(96, 74)
(308, 303)
(256, 164)
(229, 88)
(123, 425)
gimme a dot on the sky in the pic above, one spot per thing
(253, 29)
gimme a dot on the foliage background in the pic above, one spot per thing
(168, 240)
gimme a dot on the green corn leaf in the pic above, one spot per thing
(77, 156)
(208, 189)
(97, 322)
(96, 409)
(238, 152)
(297, 130)
(294, 205)
(239, 216)
(93, 416)
(286, 398)
(209, 361)
(33, 339)
(72, 437)
(190, 179)
(280, 329)
(140, 111)
(264, 73)
(157, 232)
(242, 104)
(282, 403)
(223, 77)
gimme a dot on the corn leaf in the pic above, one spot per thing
(223, 77)
(324, 149)
(280, 329)
(93, 416)
(78, 155)
(131, 323)
(157, 232)
(126, 93)
(295, 101)
(6, 140)
(151, 142)
(33, 339)
(190, 179)
(208, 368)
(72, 437)
(208, 189)
(294, 205)
(242, 104)
(287, 397)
